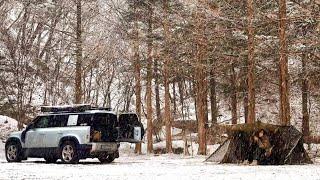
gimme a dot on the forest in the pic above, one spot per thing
(192, 63)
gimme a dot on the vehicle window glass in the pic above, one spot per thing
(60, 120)
(104, 119)
(100, 119)
(84, 120)
(43, 122)
(72, 120)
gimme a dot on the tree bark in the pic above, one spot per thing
(174, 97)
(305, 93)
(234, 97)
(251, 65)
(167, 110)
(78, 78)
(156, 86)
(201, 81)
(137, 73)
(283, 63)
(149, 83)
(181, 96)
(213, 94)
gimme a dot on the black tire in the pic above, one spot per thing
(13, 152)
(51, 159)
(107, 158)
(69, 153)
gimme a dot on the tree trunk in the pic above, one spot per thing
(149, 83)
(234, 101)
(305, 92)
(201, 106)
(78, 78)
(174, 97)
(156, 87)
(251, 65)
(283, 66)
(245, 105)
(181, 95)
(201, 81)
(137, 73)
(167, 111)
(213, 95)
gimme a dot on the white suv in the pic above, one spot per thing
(71, 133)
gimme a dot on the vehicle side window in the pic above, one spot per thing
(42, 122)
(59, 121)
(84, 120)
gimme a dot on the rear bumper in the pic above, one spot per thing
(104, 147)
(93, 150)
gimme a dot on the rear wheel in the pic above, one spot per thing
(107, 158)
(13, 152)
(68, 153)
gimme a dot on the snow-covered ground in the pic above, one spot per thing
(164, 167)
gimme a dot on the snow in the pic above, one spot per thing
(131, 166)
(151, 167)
(7, 125)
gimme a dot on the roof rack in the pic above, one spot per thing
(72, 108)
(101, 108)
(66, 108)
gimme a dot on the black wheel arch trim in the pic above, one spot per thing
(13, 139)
(69, 138)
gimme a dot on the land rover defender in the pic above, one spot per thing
(71, 133)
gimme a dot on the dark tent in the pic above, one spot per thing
(286, 141)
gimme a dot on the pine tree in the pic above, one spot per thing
(167, 109)
(149, 79)
(283, 66)
(78, 77)
(251, 65)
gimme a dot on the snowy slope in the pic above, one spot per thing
(7, 125)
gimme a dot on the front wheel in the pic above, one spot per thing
(13, 152)
(68, 153)
(107, 158)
